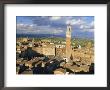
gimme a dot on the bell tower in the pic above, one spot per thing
(68, 42)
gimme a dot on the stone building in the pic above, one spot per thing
(24, 39)
(59, 71)
(49, 50)
(60, 52)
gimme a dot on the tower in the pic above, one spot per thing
(68, 42)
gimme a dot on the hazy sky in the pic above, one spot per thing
(81, 25)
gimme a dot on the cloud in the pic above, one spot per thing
(81, 24)
(22, 26)
(35, 29)
(75, 22)
(87, 27)
(87, 30)
(55, 25)
(55, 18)
(57, 31)
(92, 24)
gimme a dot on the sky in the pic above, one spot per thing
(82, 26)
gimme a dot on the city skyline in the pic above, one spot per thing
(54, 55)
(83, 26)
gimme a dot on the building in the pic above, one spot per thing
(49, 50)
(59, 71)
(60, 52)
(18, 49)
(60, 46)
(68, 43)
(25, 39)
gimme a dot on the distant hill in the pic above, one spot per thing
(87, 36)
(38, 35)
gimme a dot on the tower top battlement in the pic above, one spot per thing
(68, 32)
